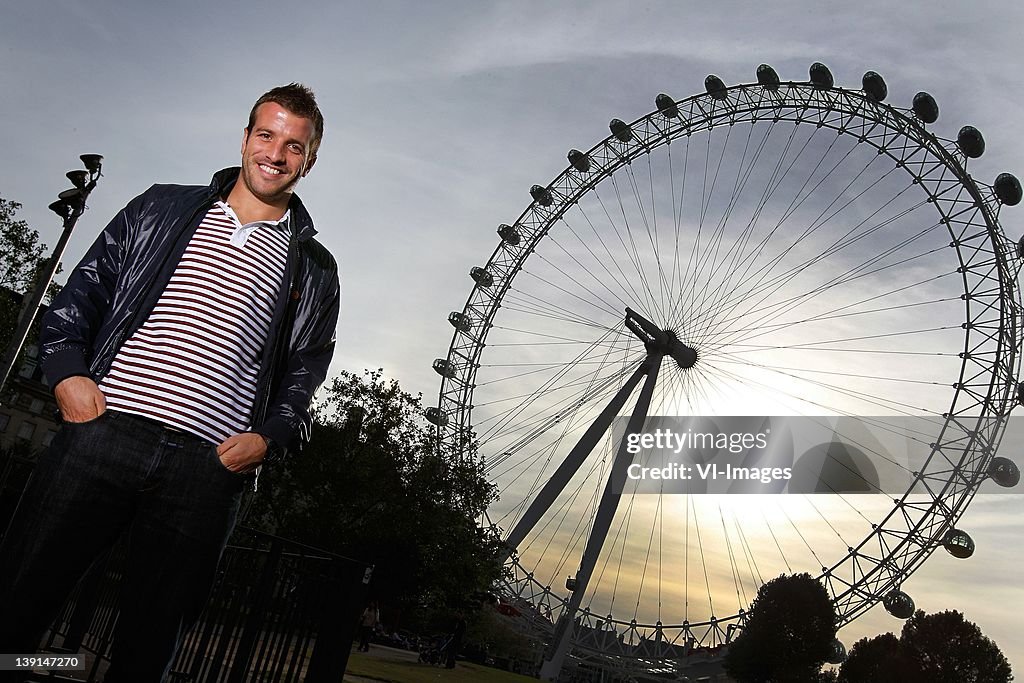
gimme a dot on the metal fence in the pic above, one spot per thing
(279, 612)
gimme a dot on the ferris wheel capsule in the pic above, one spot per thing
(481, 276)
(838, 653)
(958, 543)
(541, 195)
(459, 321)
(874, 86)
(768, 77)
(821, 76)
(621, 130)
(1007, 188)
(899, 604)
(971, 142)
(1004, 472)
(435, 416)
(508, 234)
(715, 87)
(579, 160)
(443, 367)
(926, 108)
(667, 106)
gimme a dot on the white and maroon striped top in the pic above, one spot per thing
(194, 362)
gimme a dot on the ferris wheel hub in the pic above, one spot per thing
(660, 342)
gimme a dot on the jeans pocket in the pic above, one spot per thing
(88, 422)
(218, 464)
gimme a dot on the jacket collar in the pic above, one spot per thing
(224, 179)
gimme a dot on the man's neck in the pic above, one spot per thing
(249, 209)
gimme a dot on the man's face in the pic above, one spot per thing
(276, 153)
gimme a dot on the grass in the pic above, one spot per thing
(394, 671)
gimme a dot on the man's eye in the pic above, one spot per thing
(295, 148)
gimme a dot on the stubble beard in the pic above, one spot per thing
(251, 177)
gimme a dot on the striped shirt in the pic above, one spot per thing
(194, 362)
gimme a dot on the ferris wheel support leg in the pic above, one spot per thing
(564, 629)
(576, 457)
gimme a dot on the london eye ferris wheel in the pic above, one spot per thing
(769, 248)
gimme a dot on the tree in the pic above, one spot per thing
(372, 485)
(788, 633)
(948, 648)
(937, 648)
(879, 660)
(21, 260)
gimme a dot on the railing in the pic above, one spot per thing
(279, 612)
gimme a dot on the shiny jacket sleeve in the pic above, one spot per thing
(69, 327)
(288, 420)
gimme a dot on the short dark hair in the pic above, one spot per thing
(299, 100)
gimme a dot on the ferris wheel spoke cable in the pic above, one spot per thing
(646, 221)
(766, 289)
(834, 314)
(541, 424)
(647, 561)
(686, 560)
(858, 375)
(604, 307)
(854, 273)
(626, 250)
(704, 293)
(687, 303)
(741, 241)
(758, 285)
(771, 531)
(870, 399)
(534, 307)
(603, 282)
(634, 251)
(827, 521)
(612, 308)
(740, 602)
(626, 282)
(504, 421)
(661, 547)
(748, 554)
(727, 296)
(575, 536)
(547, 316)
(880, 424)
(800, 534)
(703, 561)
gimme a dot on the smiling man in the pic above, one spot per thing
(183, 353)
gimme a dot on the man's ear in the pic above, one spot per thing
(245, 139)
(309, 164)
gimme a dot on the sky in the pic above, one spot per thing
(439, 118)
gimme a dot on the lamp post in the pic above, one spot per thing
(70, 205)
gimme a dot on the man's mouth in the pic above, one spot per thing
(270, 170)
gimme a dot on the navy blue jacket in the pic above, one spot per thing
(112, 291)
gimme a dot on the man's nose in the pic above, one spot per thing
(277, 152)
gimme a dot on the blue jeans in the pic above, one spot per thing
(98, 479)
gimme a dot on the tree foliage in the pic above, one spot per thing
(788, 633)
(21, 260)
(372, 485)
(932, 648)
(947, 647)
(878, 660)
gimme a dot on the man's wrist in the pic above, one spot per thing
(274, 451)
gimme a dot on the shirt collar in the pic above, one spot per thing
(241, 234)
